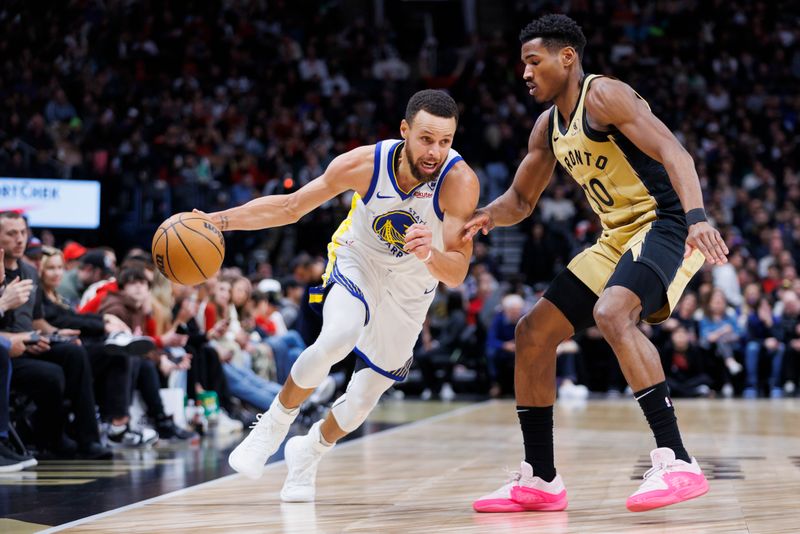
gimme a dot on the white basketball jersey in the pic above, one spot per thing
(376, 225)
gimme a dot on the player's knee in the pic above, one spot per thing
(528, 335)
(353, 411)
(338, 342)
(610, 317)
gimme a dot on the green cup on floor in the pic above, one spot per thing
(210, 403)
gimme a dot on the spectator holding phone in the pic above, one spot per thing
(110, 347)
(61, 363)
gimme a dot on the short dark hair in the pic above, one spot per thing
(10, 214)
(131, 275)
(555, 31)
(434, 102)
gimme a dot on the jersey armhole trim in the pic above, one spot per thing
(376, 167)
(550, 128)
(593, 134)
(436, 208)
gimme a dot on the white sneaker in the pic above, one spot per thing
(447, 393)
(130, 345)
(226, 425)
(249, 457)
(303, 454)
(789, 387)
(727, 390)
(525, 493)
(669, 481)
(426, 394)
(125, 436)
(570, 390)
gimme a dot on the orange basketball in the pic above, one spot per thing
(188, 248)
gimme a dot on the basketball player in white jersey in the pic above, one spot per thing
(402, 237)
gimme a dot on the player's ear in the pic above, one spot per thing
(568, 56)
(404, 128)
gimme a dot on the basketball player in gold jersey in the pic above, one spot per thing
(643, 186)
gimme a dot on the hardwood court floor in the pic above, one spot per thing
(423, 477)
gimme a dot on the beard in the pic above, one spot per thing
(416, 167)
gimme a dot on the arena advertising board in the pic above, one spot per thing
(53, 203)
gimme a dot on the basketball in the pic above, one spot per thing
(188, 248)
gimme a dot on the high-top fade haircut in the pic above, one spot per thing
(556, 31)
(435, 102)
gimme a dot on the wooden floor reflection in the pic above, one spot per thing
(423, 477)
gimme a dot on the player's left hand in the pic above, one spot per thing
(705, 238)
(419, 239)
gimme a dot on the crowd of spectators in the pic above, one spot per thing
(206, 106)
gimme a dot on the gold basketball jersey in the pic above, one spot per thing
(625, 187)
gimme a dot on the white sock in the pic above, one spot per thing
(281, 413)
(317, 441)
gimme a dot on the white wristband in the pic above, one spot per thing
(428, 257)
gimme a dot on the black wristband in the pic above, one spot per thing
(695, 216)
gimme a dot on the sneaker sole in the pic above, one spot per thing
(13, 468)
(688, 494)
(507, 505)
(134, 348)
(32, 462)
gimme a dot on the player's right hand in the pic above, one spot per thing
(705, 238)
(481, 221)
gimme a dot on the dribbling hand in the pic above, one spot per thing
(419, 239)
(481, 221)
(705, 238)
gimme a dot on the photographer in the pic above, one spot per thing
(45, 362)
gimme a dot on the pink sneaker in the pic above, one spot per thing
(525, 493)
(669, 481)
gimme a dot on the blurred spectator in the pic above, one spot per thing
(684, 366)
(60, 366)
(130, 305)
(764, 336)
(500, 347)
(790, 326)
(94, 266)
(435, 359)
(720, 333)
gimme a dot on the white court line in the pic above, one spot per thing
(140, 504)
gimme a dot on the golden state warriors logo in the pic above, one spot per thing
(391, 228)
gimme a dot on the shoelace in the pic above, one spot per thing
(259, 434)
(655, 469)
(513, 476)
(258, 420)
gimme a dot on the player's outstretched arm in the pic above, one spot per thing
(349, 171)
(612, 102)
(531, 178)
(458, 199)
